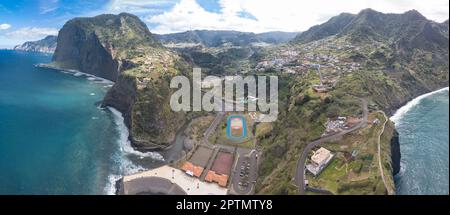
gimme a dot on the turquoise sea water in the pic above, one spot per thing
(54, 138)
(423, 126)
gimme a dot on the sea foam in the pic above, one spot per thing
(125, 167)
(125, 143)
(77, 73)
(404, 109)
(124, 164)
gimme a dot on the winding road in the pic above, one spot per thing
(300, 172)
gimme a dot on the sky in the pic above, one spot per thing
(25, 20)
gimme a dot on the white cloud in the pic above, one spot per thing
(28, 33)
(47, 6)
(188, 15)
(284, 15)
(139, 6)
(5, 26)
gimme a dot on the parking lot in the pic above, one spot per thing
(245, 174)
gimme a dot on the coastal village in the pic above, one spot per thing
(338, 87)
(213, 165)
(216, 166)
(321, 73)
(301, 59)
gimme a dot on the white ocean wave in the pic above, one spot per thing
(403, 110)
(125, 165)
(125, 143)
(78, 73)
(110, 188)
(103, 81)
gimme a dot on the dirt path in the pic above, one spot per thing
(380, 165)
(300, 174)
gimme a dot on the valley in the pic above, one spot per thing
(338, 82)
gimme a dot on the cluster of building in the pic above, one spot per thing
(341, 122)
(167, 180)
(211, 165)
(300, 60)
(321, 88)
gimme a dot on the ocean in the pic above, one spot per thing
(423, 126)
(54, 137)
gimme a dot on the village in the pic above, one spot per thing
(221, 160)
(214, 166)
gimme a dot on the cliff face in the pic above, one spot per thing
(46, 45)
(82, 51)
(395, 153)
(122, 49)
(122, 97)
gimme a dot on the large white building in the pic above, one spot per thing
(319, 160)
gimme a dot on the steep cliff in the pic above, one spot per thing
(395, 153)
(122, 49)
(46, 45)
(102, 45)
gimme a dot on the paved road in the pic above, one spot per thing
(319, 191)
(243, 156)
(212, 127)
(222, 103)
(380, 165)
(300, 174)
(219, 116)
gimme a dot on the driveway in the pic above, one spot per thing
(300, 172)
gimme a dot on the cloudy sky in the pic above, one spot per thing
(23, 20)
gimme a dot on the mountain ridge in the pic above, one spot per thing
(122, 49)
(217, 38)
(369, 23)
(385, 58)
(388, 59)
(46, 45)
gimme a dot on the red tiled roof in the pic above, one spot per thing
(189, 167)
(212, 176)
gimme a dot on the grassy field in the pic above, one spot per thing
(220, 136)
(359, 174)
(198, 127)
